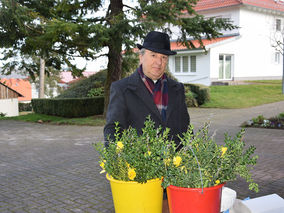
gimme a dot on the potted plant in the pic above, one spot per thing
(196, 173)
(134, 166)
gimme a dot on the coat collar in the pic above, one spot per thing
(136, 84)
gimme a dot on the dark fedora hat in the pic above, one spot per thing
(157, 42)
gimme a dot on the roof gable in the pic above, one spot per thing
(21, 86)
(9, 88)
(213, 4)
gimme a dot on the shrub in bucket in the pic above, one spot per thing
(137, 161)
(201, 165)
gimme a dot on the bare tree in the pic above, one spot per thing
(277, 42)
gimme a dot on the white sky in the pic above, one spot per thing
(96, 65)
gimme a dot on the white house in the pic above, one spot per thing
(245, 53)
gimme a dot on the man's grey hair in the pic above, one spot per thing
(142, 51)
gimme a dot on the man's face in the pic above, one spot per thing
(153, 64)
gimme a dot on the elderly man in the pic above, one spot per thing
(148, 91)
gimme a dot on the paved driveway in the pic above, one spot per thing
(48, 168)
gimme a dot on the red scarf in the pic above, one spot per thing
(158, 90)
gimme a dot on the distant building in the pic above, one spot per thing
(9, 100)
(22, 86)
(66, 78)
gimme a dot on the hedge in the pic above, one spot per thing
(201, 92)
(69, 107)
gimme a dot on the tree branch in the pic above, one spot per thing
(132, 8)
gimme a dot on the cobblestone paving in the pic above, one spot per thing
(45, 168)
(48, 168)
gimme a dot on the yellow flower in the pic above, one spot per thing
(119, 145)
(131, 174)
(102, 164)
(177, 161)
(196, 145)
(167, 161)
(217, 182)
(183, 168)
(148, 154)
(224, 150)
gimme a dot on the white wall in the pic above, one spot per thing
(257, 58)
(9, 107)
(231, 13)
(201, 76)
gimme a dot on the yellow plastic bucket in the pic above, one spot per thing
(131, 196)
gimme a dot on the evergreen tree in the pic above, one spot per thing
(83, 28)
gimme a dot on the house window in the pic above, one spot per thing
(277, 57)
(278, 24)
(185, 64)
(177, 64)
(225, 67)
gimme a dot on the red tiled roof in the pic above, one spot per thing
(177, 46)
(213, 4)
(268, 4)
(22, 86)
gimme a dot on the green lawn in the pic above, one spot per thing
(33, 117)
(241, 96)
(265, 82)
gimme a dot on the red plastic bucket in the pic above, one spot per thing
(192, 200)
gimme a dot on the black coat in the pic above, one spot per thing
(131, 102)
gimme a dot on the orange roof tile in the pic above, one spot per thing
(22, 86)
(213, 4)
(268, 4)
(178, 46)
